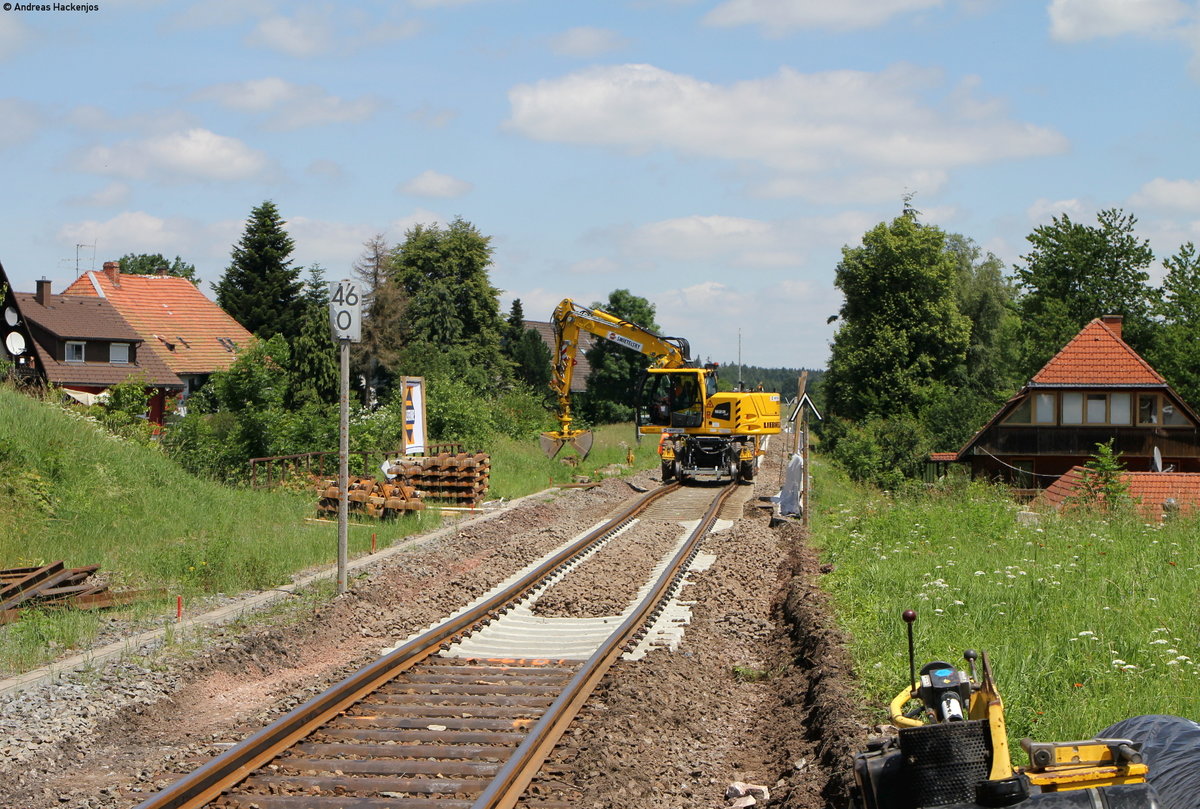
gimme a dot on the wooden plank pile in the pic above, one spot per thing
(382, 499)
(459, 479)
(55, 585)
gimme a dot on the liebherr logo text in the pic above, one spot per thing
(623, 340)
(84, 7)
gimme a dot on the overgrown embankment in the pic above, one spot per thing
(1087, 618)
(69, 490)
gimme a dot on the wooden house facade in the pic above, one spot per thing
(1094, 390)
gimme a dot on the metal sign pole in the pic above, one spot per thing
(345, 321)
(343, 467)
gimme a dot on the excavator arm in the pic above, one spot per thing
(568, 321)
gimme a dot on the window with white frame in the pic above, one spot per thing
(118, 353)
(75, 352)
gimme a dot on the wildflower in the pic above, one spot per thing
(1086, 632)
(1118, 662)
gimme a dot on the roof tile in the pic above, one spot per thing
(1097, 356)
(1150, 490)
(178, 322)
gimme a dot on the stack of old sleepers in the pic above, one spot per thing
(54, 585)
(371, 497)
(460, 478)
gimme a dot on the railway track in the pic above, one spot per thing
(462, 715)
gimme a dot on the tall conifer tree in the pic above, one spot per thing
(261, 289)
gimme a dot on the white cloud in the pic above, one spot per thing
(1169, 195)
(141, 232)
(192, 154)
(785, 319)
(586, 42)
(432, 117)
(1076, 20)
(111, 194)
(14, 35)
(289, 106)
(326, 170)
(214, 13)
(430, 183)
(594, 266)
(901, 120)
(878, 186)
(1043, 210)
(306, 34)
(740, 242)
(778, 17)
(22, 120)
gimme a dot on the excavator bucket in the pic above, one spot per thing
(578, 440)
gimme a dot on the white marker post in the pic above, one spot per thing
(345, 319)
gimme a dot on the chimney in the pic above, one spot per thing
(43, 291)
(113, 270)
(1113, 322)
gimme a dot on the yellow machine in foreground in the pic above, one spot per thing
(701, 432)
(952, 751)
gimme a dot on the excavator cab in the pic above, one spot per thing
(673, 398)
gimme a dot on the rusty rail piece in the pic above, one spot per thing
(239, 763)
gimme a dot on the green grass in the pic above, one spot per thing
(70, 491)
(1086, 619)
(519, 467)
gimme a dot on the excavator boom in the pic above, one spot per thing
(569, 320)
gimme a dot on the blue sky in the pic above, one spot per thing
(713, 156)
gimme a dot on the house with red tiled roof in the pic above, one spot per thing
(1154, 494)
(180, 325)
(1094, 390)
(81, 345)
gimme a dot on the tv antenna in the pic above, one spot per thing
(77, 256)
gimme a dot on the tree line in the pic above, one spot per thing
(429, 309)
(934, 335)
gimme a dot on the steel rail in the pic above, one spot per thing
(510, 782)
(234, 765)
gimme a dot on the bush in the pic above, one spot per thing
(884, 452)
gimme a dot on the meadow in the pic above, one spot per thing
(1086, 618)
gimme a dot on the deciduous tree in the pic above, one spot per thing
(901, 330)
(156, 264)
(1075, 272)
(1176, 351)
(615, 369)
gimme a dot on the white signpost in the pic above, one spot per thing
(345, 320)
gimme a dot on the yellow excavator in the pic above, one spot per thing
(703, 433)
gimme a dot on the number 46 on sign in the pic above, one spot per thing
(345, 311)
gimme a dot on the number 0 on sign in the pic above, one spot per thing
(345, 311)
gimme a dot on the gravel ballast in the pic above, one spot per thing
(756, 692)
